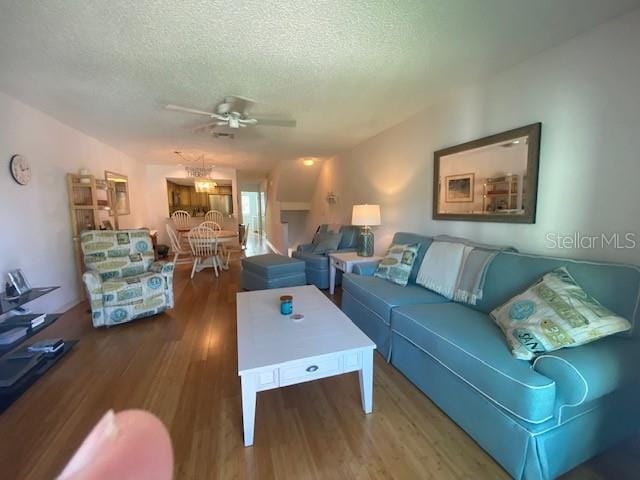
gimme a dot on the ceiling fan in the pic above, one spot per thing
(233, 112)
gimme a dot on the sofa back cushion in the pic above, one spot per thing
(615, 286)
(411, 238)
(349, 236)
(117, 253)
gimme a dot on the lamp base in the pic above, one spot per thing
(365, 243)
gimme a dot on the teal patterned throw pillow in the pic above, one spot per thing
(554, 313)
(397, 263)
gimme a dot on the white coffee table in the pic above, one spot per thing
(345, 262)
(275, 351)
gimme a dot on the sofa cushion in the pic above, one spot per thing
(126, 291)
(381, 295)
(552, 314)
(472, 347)
(271, 265)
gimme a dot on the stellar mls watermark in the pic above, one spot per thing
(582, 241)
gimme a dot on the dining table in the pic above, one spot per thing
(222, 236)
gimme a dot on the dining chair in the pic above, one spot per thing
(239, 248)
(204, 244)
(182, 222)
(214, 216)
(212, 225)
(176, 247)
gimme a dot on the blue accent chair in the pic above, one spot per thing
(538, 419)
(317, 265)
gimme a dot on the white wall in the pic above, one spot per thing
(276, 231)
(35, 219)
(157, 200)
(586, 93)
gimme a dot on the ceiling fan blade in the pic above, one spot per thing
(205, 126)
(221, 123)
(275, 122)
(248, 121)
(177, 108)
(240, 104)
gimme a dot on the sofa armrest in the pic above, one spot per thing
(366, 269)
(591, 371)
(305, 248)
(93, 285)
(165, 269)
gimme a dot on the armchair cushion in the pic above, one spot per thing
(305, 248)
(123, 291)
(327, 242)
(349, 237)
(117, 253)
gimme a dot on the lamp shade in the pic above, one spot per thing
(366, 215)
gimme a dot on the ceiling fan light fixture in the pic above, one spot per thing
(308, 162)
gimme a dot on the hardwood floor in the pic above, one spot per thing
(182, 366)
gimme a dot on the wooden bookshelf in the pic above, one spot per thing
(89, 206)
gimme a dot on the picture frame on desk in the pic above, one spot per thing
(18, 281)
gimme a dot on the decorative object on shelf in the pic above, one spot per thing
(84, 176)
(459, 188)
(366, 216)
(18, 281)
(10, 291)
(20, 169)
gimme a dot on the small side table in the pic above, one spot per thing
(345, 262)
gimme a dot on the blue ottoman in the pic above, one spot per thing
(272, 271)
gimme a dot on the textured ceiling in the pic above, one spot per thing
(345, 69)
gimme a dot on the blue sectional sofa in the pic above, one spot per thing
(538, 419)
(317, 265)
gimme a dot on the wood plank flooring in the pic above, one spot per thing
(182, 366)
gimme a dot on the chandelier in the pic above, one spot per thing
(201, 175)
(205, 185)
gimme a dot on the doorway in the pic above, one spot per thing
(251, 212)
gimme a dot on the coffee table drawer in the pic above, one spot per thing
(310, 370)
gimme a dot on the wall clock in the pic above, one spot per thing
(20, 169)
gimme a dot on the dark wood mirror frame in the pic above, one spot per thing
(533, 160)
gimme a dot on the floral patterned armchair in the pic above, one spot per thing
(122, 280)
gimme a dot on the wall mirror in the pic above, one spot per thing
(492, 179)
(118, 187)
